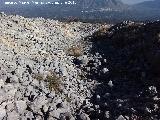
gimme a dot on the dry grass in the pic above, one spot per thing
(75, 51)
(54, 82)
(38, 77)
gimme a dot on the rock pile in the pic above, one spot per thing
(38, 79)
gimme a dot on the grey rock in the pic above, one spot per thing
(14, 79)
(10, 95)
(105, 70)
(45, 108)
(107, 114)
(84, 116)
(2, 113)
(64, 71)
(12, 115)
(21, 106)
(10, 106)
(120, 118)
(1, 83)
(84, 59)
(110, 83)
(66, 116)
(98, 97)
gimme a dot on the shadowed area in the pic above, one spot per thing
(132, 51)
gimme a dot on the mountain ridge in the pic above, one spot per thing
(149, 4)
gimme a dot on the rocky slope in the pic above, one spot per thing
(38, 78)
(51, 70)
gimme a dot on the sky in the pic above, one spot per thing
(134, 1)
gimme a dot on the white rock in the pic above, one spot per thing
(105, 70)
(29, 115)
(12, 115)
(19, 71)
(55, 114)
(120, 118)
(1, 83)
(2, 113)
(10, 95)
(45, 108)
(105, 60)
(40, 101)
(84, 59)
(10, 106)
(38, 117)
(84, 116)
(107, 114)
(35, 82)
(41, 70)
(1, 96)
(14, 79)
(21, 106)
(110, 83)
(64, 71)
(98, 97)
(8, 87)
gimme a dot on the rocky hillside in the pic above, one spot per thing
(38, 78)
(51, 70)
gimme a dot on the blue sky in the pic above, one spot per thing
(134, 1)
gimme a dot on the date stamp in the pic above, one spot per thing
(39, 3)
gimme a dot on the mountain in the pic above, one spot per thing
(83, 9)
(111, 11)
(92, 4)
(149, 4)
(149, 10)
(96, 4)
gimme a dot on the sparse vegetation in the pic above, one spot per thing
(52, 79)
(38, 77)
(75, 51)
(53, 82)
